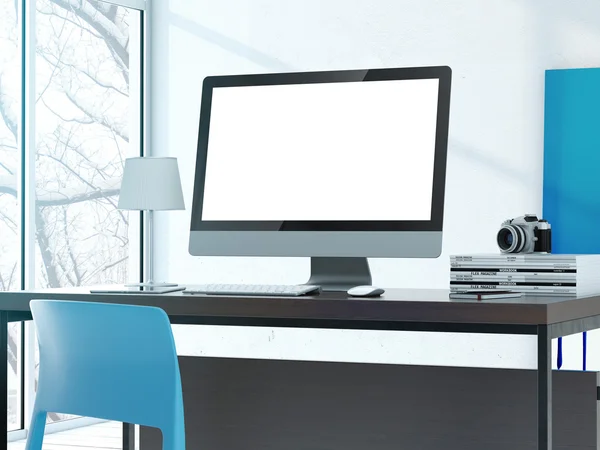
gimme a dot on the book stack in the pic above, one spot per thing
(533, 273)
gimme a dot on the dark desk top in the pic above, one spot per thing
(396, 305)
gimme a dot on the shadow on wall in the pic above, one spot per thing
(495, 166)
(497, 179)
(564, 31)
(490, 163)
(548, 13)
(230, 45)
(270, 63)
(274, 64)
(552, 13)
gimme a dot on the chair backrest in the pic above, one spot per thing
(109, 361)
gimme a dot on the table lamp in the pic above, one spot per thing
(151, 184)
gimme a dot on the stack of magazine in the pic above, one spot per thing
(533, 273)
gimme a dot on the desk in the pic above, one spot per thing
(412, 310)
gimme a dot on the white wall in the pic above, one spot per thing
(498, 50)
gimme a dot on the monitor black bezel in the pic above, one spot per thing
(442, 73)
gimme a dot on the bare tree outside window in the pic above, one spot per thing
(87, 122)
(83, 137)
(10, 93)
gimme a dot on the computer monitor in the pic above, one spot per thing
(336, 165)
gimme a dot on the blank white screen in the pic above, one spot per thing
(326, 151)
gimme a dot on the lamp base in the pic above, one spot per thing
(152, 284)
(121, 289)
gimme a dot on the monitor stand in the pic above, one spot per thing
(339, 274)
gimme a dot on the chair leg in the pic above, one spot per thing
(35, 438)
(173, 439)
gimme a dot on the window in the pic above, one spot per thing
(10, 166)
(84, 132)
(82, 119)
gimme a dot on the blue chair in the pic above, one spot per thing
(114, 362)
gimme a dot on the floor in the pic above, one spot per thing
(103, 436)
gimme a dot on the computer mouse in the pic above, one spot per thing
(365, 291)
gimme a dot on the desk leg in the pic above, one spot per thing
(4, 377)
(544, 385)
(128, 436)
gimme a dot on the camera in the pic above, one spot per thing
(525, 234)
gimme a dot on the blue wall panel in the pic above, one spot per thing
(571, 196)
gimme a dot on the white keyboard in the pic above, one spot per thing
(253, 289)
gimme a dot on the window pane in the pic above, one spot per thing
(15, 386)
(10, 165)
(87, 122)
(84, 132)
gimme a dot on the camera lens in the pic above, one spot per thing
(505, 239)
(511, 239)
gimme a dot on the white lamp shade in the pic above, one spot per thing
(151, 184)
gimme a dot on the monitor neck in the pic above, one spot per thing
(339, 274)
